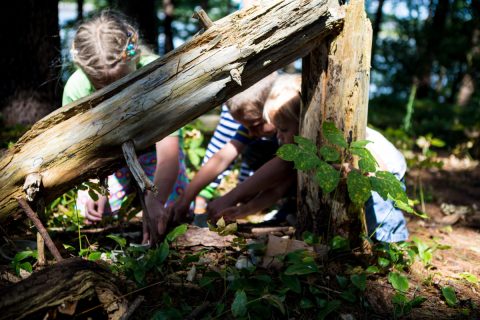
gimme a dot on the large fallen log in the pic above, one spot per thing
(62, 284)
(83, 140)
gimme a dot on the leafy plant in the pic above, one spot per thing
(360, 183)
(450, 296)
(23, 259)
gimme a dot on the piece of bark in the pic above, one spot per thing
(64, 282)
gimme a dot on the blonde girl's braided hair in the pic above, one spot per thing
(103, 45)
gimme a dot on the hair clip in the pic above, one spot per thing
(131, 48)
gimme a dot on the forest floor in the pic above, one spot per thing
(452, 201)
(453, 205)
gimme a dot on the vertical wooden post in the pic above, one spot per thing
(335, 84)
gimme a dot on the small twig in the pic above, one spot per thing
(137, 171)
(135, 304)
(198, 310)
(41, 229)
(40, 250)
(203, 18)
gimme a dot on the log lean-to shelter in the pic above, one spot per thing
(85, 139)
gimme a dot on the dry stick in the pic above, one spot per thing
(33, 216)
(40, 250)
(202, 16)
(136, 169)
(135, 304)
(199, 310)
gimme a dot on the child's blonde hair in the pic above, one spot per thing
(284, 98)
(255, 96)
(103, 45)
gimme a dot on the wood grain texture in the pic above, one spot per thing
(335, 84)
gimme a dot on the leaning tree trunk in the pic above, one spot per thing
(335, 84)
(83, 139)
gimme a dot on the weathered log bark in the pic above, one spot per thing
(84, 139)
(335, 88)
(63, 283)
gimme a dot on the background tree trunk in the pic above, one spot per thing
(144, 13)
(168, 8)
(152, 102)
(335, 83)
(30, 60)
(376, 28)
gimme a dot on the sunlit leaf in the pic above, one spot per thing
(288, 152)
(385, 183)
(450, 296)
(359, 189)
(327, 177)
(122, 242)
(305, 144)
(367, 162)
(177, 232)
(398, 281)
(94, 256)
(469, 277)
(360, 143)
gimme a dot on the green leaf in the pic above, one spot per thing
(469, 277)
(229, 229)
(386, 184)
(372, 269)
(22, 255)
(329, 153)
(358, 186)
(310, 238)
(450, 296)
(161, 253)
(417, 301)
(342, 281)
(69, 247)
(306, 303)
(122, 242)
(398, 281)
(306, 161)
(27, 266)
(333, 134)
(331, 306)
(239, 305)
(275, 301)
(291, 282)
(382, 262)
(340, 243)
(360, 143)
(359, 281)
(407, 208)
(301, 269)
(93, 194)
(94, 256)
(177, 232)
(367, 162)
(305, 144)
(349, 295)
(327, 177)
(288, 152)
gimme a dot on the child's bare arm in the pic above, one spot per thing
(166, 172)
(262, 201)
(207, 173)
(271, 173)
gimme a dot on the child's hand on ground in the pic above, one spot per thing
(155, 226)
(179, 210)
(94, 209)
(216, 206)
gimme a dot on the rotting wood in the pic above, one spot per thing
(63, 283)
(131, 309)
(335, 84)
(83, 139)
(41, 229)
(32, 185)
(40, 250)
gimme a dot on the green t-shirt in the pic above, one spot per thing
(78, 85)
